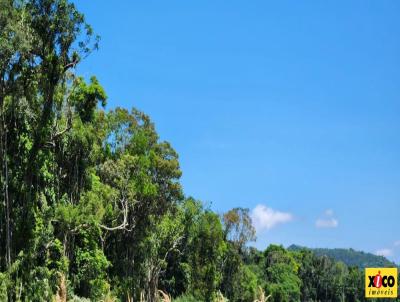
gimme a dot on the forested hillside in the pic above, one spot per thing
(350, 257)
(91, 203)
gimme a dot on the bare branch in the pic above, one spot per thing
(124, 225)
(71, 65)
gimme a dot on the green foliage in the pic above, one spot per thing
(85, 98)
(239, 281)
(90, 277)
(245, 286)
(40, 286)
(207, 248)
(4, 287)
(186, 298)
(92, 207)
(350, 257)
(283, 283)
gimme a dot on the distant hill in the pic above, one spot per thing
(349, 256)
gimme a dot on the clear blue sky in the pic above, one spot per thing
(293, 105)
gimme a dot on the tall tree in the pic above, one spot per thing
(280, 269)
(238, 227)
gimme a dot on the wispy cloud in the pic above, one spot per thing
(384, 252)
(265, 218)
(396, 243)
(327, 221)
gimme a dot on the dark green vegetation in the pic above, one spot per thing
(91, 204)
(350, 257)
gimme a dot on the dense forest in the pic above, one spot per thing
(91, 204)
(349, 256)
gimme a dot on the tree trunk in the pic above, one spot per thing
(7, 201)
(5, 186)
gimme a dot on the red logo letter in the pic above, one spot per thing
(378, 280)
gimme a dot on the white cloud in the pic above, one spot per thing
(397, 243)
(267, 218)
(384, 252)
(328, 221)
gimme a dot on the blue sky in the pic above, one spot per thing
(291, 108)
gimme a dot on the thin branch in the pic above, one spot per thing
(124, 225)
(71, 65)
